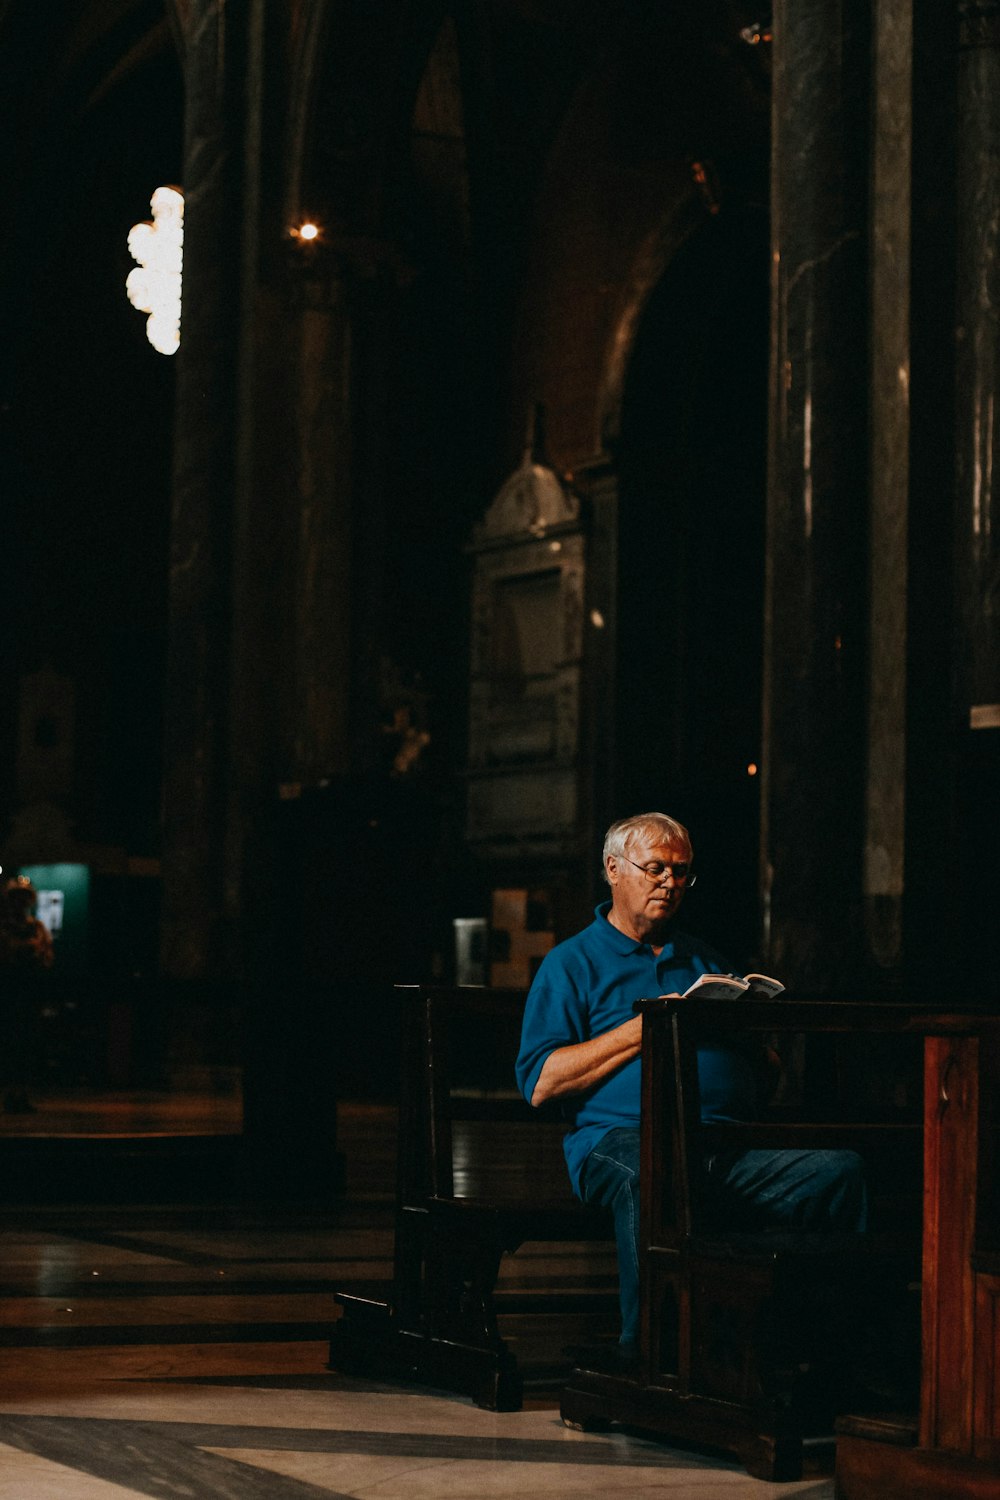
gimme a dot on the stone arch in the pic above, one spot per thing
(651, 262)
(641, 159)
(690, 452)
(355, 73)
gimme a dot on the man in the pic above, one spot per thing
(580, 1042)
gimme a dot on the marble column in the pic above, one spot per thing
(291, 525)
(977, 371)
(977, 474)
(195, 734)
(889, 280)
(597, 481)
(931, 904)
(815, 627)
(289, 651)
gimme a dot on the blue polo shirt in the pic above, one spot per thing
(585, 987)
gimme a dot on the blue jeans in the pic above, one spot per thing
(611, 1177)
(745, 1190)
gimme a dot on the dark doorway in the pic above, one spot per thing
(693, 461)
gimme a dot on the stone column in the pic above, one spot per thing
(977, 456)
(291, 526)
(815, 633)
(890, 241)
(597, 481)
(195, 735)
(931, 904)
(289, 659)
(977, 473)
(323, 594)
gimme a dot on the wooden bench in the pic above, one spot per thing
(950, 1447)
(479, 1173)
(736, 1328)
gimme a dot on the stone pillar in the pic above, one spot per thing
(195, 735)
(815, 634)
(888, 571)
(323, 574)
(977, 456)
(289, 667)
(597, 481)
(932, 903)
(977, 472)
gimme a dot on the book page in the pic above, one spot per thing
(717, 987)
(763, 985)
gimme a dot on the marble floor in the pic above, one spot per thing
(179, 1350)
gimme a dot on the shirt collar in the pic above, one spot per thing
(622, 943)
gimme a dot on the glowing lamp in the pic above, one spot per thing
(154, 285)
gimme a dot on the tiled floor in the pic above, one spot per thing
(180, 1352)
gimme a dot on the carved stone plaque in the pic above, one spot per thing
(526, 666)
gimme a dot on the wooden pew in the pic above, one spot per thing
(479, 1173)
(950, 1450)
(729, 1320)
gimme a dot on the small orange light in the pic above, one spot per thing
(752, 768)
(308, 231)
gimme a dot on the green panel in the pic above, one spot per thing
(64, 907)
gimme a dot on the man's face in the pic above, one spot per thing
(642, 906)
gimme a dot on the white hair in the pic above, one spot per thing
(621, 836)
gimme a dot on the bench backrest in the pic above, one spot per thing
(465, 1131)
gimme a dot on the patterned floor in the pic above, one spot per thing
(180, 1351)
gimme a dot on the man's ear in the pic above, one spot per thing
(611, 869)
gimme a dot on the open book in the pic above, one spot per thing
(728, 987)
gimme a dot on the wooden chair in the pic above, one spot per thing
(737, 1328)
(479, 1173)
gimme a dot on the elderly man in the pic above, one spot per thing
(580, 1042)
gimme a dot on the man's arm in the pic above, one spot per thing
(578, 1066)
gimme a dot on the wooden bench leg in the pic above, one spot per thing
(442, 1329)
(460, 1276)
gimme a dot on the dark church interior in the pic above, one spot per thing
(522, 414)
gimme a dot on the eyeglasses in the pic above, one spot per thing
(656, 871)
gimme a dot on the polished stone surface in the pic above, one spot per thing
(180, 1350)
(978, 357)
(814, 743)
(890, 252)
